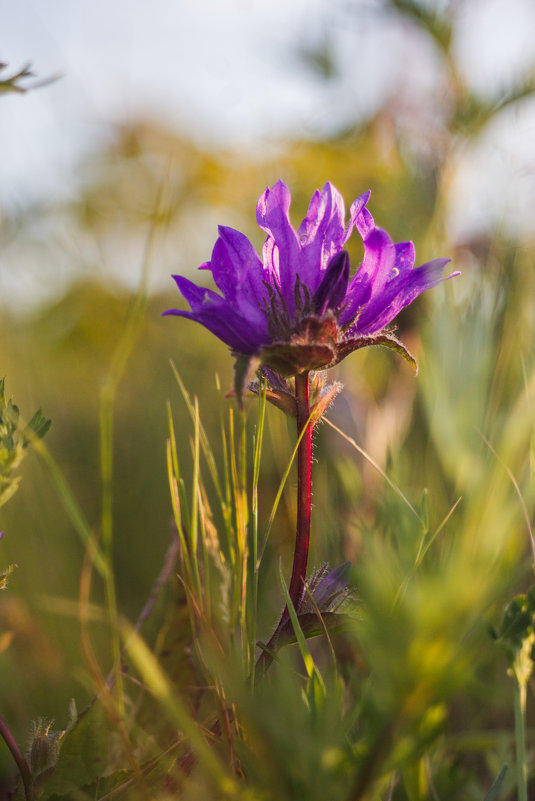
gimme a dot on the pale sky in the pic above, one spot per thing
(225, 72)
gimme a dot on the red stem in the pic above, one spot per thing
(18, 756)
(304, 489)
(302, 537)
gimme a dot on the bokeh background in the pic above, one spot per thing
(149, 123)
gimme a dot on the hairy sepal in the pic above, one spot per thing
(386, 339)
(245, 366)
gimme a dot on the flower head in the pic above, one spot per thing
(297, 308)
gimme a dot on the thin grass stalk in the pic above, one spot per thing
(253, 603)
(377, 467)
(239, 532)
(316, 690)
(205, 445)
(118, 364)
(228, 492)
(174, 709)
(183, 522)
(520, 688)
(71, 506)
(106, 467)
(204, 512)
(173, 474)
(243, 524)
(194, 522)
(303, 449)
(181, 517)
(103, 686)
(278, 496)
(223, 490)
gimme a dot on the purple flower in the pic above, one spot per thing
(297, 308)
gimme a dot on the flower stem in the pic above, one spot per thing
(18, 756)
(304, 490)
(302, 537)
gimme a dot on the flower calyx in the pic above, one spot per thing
(319, 610)
(280, 392)
(317, 344)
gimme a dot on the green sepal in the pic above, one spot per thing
(39, 425)
(335, 622)
(311, 347)
(43, 754)
(245, 366)
(386, 339)
(292, 359)
(494, 792)
(310, 624)
(84, 756)
(283, 400)
(324, 399)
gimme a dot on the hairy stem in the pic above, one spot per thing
(302, 537)
(18, 756)
(304, 490)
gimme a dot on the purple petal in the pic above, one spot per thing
(332, 290)
(251, 273)
(236, 267)
(229, 327)
(399, 292)
(195, 295)
(372, 275)
(360, 217)
(309, 224)
(405, 256)
(282, 248)
(321, 233)
(332, 586)
(308, 269)
(224, 270)
(243, 325)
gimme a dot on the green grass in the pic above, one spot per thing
(396, 705)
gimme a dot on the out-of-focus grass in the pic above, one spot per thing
(429, 580)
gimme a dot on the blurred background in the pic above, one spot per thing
(157, 122)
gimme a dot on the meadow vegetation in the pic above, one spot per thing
(152, 528)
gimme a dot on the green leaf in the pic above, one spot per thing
(12, 84)
(311, 627)
(39, 425)
(292, 359)
(384, 338)
(84, 755)
(13, 442)
(43, 753)
(311, 347)
(5, 574)
(494, 791)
